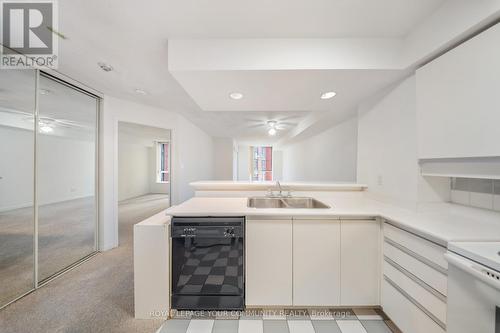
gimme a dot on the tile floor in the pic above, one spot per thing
(281, 321)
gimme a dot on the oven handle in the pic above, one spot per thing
(473, 269)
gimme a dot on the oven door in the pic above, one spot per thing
(473, 297)
(207, 271)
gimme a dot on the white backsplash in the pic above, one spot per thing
(480, 193)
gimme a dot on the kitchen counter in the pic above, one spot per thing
(440, 223)
(229, 185)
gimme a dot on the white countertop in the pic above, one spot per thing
(485, 253)
(229, 185)
(440, 223)
(159, 219)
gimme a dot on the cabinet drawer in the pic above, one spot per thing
(432, 301)
(430, 251)
(404, 313)
(424, 272)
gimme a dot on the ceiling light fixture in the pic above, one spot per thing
(44, 91)
(46, 128)
(141, 91)
(236, 95)
(272, 127)
(105, 67)
(328, 95)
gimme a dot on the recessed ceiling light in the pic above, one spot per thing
(236, 95)
(328, 95)
(105, 67)
(44, 91)
(272, 131)
(141, 91)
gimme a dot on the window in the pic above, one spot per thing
(162, 162)
(262, 163)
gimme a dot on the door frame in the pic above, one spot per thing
(116, 122)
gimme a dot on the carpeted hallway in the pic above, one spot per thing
(97, 296)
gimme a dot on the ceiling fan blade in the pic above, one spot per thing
(16, 112)
(70, 123)
(289, 118)
(254, 120)
(253, 126)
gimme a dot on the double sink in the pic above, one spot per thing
(285, 202)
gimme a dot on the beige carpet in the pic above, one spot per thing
(94, 297)
(66, 234)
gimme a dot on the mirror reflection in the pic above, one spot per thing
(17, 105)
(66, 161)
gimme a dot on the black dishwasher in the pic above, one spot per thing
(208, 263)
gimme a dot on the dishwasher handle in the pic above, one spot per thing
(482, 273)
(190, 231)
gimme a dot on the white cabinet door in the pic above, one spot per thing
(316, 262)
(268, 262)
(360, 263)
(458, 104)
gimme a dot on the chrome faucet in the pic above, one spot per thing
(270, 192)
(278, 185)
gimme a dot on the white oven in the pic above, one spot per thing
(473, 287)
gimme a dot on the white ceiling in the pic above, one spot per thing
(132, 36)
(252, 125)
(292, 90)
(288, 18)
(141, 134)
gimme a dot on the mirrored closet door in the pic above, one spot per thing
(66, 176)
(17, 113)
(48, 179)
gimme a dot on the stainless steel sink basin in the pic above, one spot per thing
(286, 202)
(304, 202)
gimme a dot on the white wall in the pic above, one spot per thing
(277, 164)
(65, 168)
(387, 149)
(190, 145)
(327, 156)
(243, 155)
(223, 159)
(235, 160)
(193, 158)
(16, 168)
(137, 160)
(134, 170)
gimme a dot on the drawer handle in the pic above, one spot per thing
(416, 303)
(415, 279)
(417, 256)
(411, 232)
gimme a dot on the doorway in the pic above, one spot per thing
(144, 174)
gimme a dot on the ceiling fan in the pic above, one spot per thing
(273, 125)
(46, 124)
